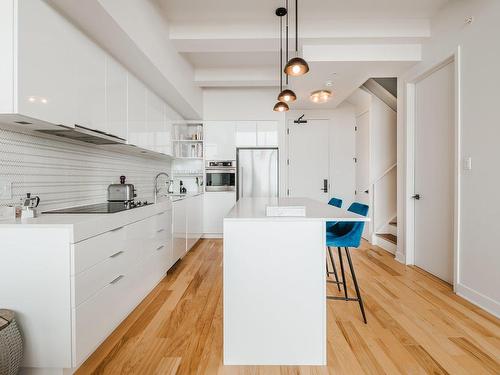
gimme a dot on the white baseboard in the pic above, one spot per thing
(212, 235)
(400, 257)
(384, 244)
(478, 299)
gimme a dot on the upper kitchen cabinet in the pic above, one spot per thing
(90, 84)
(116, 98)
(267, 133)
(220, 140)
(136, 112)
(246, 134)
(42, 44)
(156, 124)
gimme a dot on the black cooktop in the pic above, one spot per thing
(100, 208)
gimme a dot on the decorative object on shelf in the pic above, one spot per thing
(296, 66)
(11, 344)
(281, 106)
(320, 96)
(286, 95)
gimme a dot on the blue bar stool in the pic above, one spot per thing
(337, 202)
(348, 234)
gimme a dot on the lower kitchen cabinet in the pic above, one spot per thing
(81, 287)
(187, 224)
(179, 210)
(216, 206)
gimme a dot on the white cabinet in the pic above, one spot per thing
(90, 75)
(216, 206)
(180, 229)
(136, 112)
(116, 98)
(46, 67)
(220, 140)
(194, 220)
(52, 73)
(155, 122)
(246, 134)
(267, 133)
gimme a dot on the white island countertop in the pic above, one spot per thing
(255, 209)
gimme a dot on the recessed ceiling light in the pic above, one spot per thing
(320, 96)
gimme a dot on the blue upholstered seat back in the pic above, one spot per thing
(337, 202)
(348, 234)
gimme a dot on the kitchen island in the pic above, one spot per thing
(275, 283)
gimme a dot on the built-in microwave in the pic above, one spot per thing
(220, 175)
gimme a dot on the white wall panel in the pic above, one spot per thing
(67, 174)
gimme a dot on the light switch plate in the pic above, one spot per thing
(468, 163)
(5, 189)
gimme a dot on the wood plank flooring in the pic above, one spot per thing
(416, 325)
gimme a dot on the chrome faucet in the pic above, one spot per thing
(156, 190)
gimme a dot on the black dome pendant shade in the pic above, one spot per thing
(281, 107)
(296, 66)
(287, 96)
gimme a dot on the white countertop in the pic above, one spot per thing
(84, 226)
(255, 209)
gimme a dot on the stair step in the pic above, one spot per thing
(388, 237)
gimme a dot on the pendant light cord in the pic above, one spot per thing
(281, 53)
(286, 28)
(297, 27)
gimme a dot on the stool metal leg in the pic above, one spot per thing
(358, 294)
(344, 281)
(334, 268)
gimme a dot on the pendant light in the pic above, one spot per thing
(281, 106)
(296, 66)
(286, 95)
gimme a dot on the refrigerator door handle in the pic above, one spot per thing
(241, 182)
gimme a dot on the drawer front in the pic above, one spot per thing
(96, 249)
(96, 318)
(163, 223)
(90, 281)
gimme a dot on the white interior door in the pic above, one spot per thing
(363, 164)
(434, 155)
(308, 153)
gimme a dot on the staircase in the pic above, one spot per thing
(388, 237)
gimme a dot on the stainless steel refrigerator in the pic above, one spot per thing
(257, 171)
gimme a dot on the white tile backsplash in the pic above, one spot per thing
(66, 173)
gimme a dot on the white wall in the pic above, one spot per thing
(478, 278)
(66, 173)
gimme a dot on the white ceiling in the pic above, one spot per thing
(244, 10)
(235, 42)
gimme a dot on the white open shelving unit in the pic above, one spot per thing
(188, 164)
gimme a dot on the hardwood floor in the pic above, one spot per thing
(416, 325)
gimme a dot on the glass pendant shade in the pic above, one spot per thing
(281, 107)
(320, 96)
(287, 96)
(296, 67)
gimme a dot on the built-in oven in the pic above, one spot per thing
(220, 175)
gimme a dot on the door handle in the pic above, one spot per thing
(416, 196)
(325, 186)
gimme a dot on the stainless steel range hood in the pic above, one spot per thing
(83, 134)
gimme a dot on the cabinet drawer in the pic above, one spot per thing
(90, 281)
(96, 318)
(163, 222)
(93, 250)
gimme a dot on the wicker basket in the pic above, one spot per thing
(11, 344)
